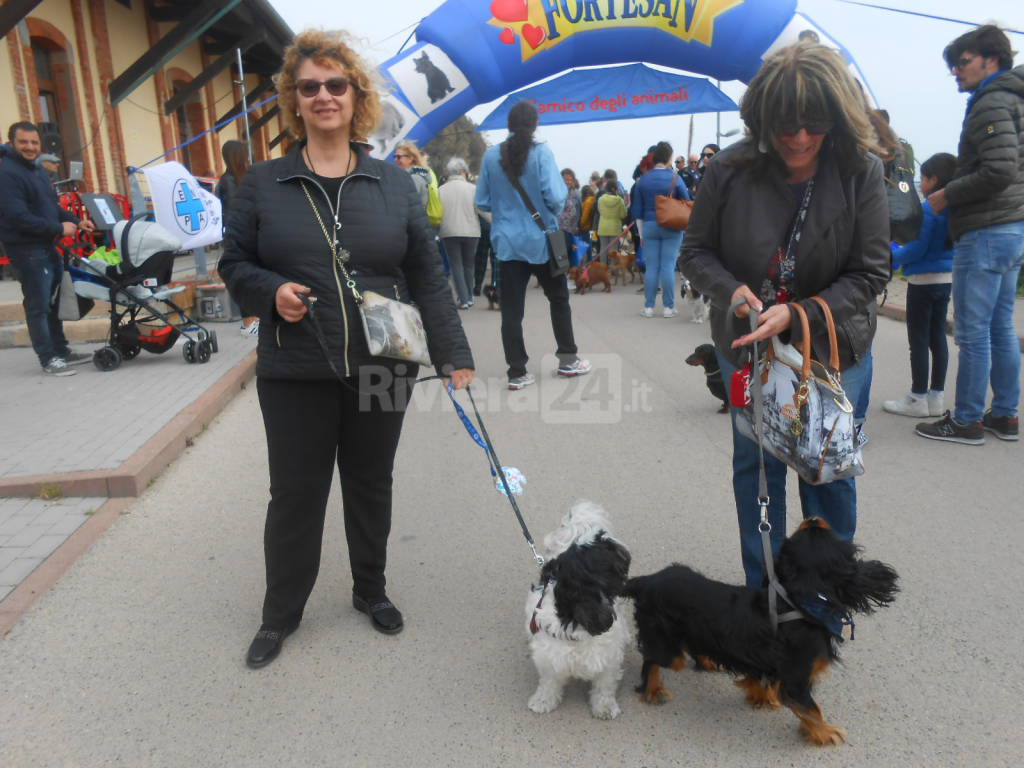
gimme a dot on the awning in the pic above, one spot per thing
(614, 93)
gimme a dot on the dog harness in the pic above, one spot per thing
(833, 617)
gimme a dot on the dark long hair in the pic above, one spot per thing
(236, 158)
(522, 122)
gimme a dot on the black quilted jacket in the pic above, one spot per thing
(988, 187)
(273, 237)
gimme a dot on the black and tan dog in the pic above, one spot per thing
(490, 291)
(704, 356)
(680, 612)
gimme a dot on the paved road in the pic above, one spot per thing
(135, 657)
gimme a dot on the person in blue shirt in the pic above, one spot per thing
(520, 245)
(661, 245)
(928, 264)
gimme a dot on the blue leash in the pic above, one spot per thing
(481, 438)
(484, 440)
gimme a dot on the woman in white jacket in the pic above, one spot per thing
(460, 228)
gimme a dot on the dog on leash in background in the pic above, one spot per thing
(700, 306)
(490, 291)
(593, 274)
(577, 622)
(704, 356)
(680, 612)
(621, 263)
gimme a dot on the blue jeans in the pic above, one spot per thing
(986, 263)
(39, 269)
(835, 502)
(860, 405)
(661, 251)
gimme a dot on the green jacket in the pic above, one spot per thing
(612, 210)
(988, 187)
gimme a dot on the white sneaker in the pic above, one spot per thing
(670, 312)
(911, 405)
(648, 312)
(935, 403)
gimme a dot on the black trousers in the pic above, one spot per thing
(310, 425)
(926, 331)
(515, 277)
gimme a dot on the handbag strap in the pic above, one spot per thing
(672, 184)
(805, 341)
(339, 255)
(833, 341)
(534, 213)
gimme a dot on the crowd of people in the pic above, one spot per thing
(801, 207)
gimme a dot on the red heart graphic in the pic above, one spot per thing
(507, 36)
(534, 35)
(510, 10)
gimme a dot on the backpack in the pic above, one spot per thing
(435, 209)
(905, 214)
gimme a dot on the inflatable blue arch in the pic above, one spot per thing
(470, 52)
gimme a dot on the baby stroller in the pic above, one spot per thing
(135, 289)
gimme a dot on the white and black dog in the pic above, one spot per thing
(575, 618)
(700, 305)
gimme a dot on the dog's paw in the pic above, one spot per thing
(760, 696)
(824, 734)
(543, 702)
(656, 695)
(604, 708)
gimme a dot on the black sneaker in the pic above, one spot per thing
(1003, 427)
(77, 358)
(949, 429)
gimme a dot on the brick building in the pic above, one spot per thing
(116, 83)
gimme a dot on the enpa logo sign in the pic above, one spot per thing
(189, 212)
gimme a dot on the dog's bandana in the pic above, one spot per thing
(832, 617)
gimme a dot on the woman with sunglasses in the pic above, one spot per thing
(294, 223)
(797, 209)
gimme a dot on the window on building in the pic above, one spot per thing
(58, 113)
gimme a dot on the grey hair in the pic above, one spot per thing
(456, 165)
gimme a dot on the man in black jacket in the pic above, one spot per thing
(986, 202)
(30, 221)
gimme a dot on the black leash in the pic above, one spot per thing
(481, 437)
(775, 588)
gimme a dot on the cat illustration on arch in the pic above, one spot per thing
(438, 85)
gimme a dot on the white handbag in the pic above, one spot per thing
(806, 419)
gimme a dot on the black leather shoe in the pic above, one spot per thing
(384, 616)
(266, 646)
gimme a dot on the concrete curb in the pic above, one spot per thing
(135, 474)
(897, 312)
(49, 572)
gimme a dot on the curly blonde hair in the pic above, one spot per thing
(809, 82)
(327, 48)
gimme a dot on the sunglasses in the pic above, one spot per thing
(336, 86)
(816, 128)
(708, 154)
(962, 62)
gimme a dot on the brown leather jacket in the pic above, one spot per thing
(740, 218)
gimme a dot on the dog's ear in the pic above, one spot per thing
(816, 561)
(870, 585)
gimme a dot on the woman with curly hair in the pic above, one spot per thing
(297, 225)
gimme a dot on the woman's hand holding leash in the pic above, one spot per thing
(771, 321)
(288, 303)
(461, 378)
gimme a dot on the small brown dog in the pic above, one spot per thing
(589, 276)
(620, 263)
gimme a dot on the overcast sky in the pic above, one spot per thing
(900, 55)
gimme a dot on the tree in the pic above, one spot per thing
(459, 139)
